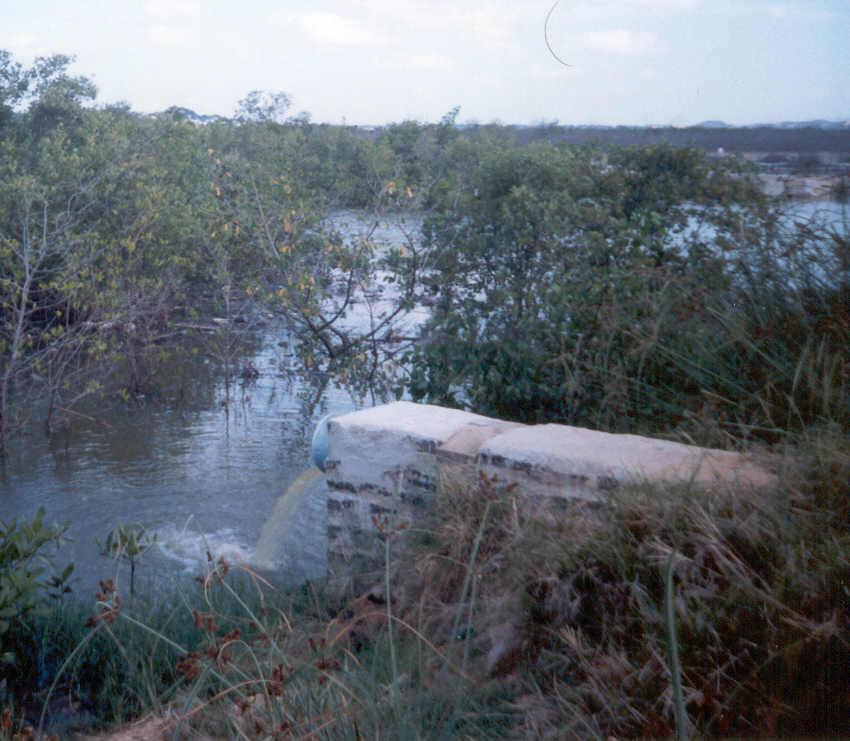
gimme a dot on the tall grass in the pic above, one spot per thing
(238, 658)
(761, 611)
(101, 660)
(750, 344)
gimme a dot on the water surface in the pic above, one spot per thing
(201, 466)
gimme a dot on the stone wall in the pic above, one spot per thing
(384, 462)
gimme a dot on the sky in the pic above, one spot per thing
(634, 62)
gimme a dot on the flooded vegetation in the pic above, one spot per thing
(183, 298)
(201, 452)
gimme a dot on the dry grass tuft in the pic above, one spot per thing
(569, 618)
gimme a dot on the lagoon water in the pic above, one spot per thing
(201, 475)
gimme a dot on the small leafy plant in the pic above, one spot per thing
(128, 543)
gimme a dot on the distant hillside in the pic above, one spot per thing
(710, 137)
(818, 123)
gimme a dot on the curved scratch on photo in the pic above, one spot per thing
(546, 34)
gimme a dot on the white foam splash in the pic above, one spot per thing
(192, 547)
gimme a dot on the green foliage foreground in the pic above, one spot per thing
(26, 548)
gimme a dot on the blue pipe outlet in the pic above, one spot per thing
(321, 445)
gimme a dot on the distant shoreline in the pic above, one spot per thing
(803, 187)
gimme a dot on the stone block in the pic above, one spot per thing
(392, 447)
(573, 462)
(382, 464)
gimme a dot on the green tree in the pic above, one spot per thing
(588, 287)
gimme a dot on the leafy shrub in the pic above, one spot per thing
(650, 291)
(25, 572)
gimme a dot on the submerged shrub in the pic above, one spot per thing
(652, 291)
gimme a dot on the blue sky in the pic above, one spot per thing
(372, 61)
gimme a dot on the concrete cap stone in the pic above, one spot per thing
(416, 420)
(467, 441)
(579, 452)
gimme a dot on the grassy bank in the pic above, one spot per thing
(494, 625)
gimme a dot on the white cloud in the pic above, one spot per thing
(492, 21)
(427, 62)
(162, 34)
(584, 10)
(173, 23)
(620, 41)
(168, 10)
(641, 5)
(799, 12)
(551, 71)
(680, 5)
(24, 40)
(332, 29)
(23, 44)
